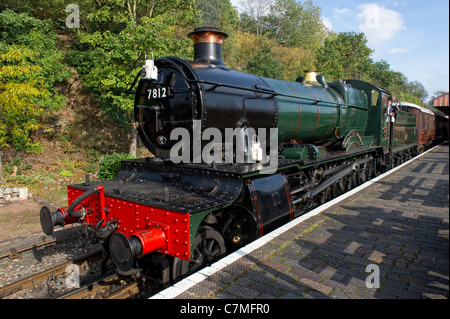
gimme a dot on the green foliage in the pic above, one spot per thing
(417, 90)
(219, 13)
(41, 9)
(345, 55)
(254, 19)
(263, 63)
(294, 60)
(20, 91)
(277, 61)
(381, 73)
(22, 180)
(110, 165)
(18, 164)
(289, 22)
(117, 36)
(296, 25)
(92, 155)
(404, 90)
(25, 29)
(30, 67)
(65, 173)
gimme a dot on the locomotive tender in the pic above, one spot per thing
(175, 218)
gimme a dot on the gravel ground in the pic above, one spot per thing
(72, 242)
(41, 258)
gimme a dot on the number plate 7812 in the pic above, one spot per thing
(159, 92)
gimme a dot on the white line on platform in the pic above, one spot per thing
(202, 274)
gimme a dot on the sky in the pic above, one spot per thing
(411, 35)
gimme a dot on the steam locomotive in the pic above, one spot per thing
(174, 213)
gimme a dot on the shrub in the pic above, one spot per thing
(110, 165)
(65, 173)
(30, 67)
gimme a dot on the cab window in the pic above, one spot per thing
(375, 97)
(385, 101)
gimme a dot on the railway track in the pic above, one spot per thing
(113, 287)
(39, 279)
(110, 286)
(14, 252)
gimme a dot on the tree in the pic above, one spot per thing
(265, 64)
(297, 59)
(219, 13)
(289, 22)
(53, 10)
(296, 25)
(381, 74)
(418, 90)
(21, 91)
(30, 66)
(345, 55)
(399, 85)
(115, 37)
(413, 92)
(255, 11)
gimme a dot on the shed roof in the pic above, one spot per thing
(441, 101)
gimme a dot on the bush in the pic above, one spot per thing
(110, 165)
(30, 67)
(65, 173)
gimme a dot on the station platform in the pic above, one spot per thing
(386, 239)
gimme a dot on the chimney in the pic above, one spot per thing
(208, 45)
